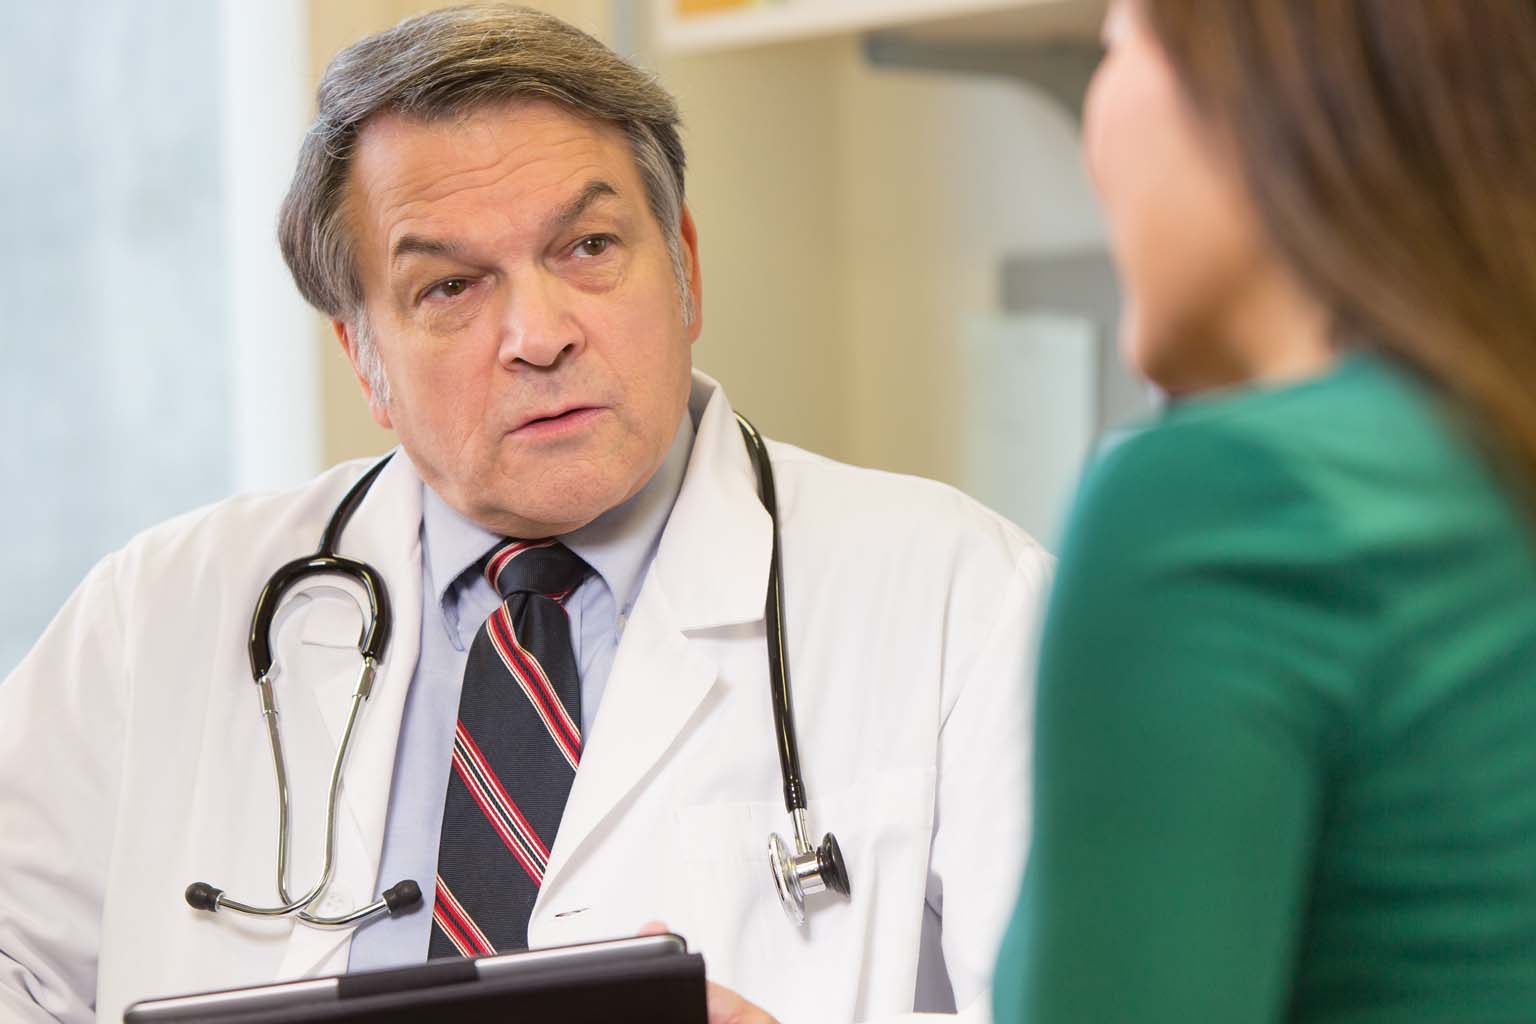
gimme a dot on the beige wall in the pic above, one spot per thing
(943, 177)
(761, 129)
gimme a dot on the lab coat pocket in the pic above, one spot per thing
(883, 826)
(734, 912)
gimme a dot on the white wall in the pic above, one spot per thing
(942, 177)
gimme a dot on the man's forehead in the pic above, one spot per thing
(537, 152)
(476, 117)
(497, 138)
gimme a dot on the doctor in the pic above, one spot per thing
(490, 208)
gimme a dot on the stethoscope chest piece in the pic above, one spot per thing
(806, 873)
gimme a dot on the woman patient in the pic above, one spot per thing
(1286, 766)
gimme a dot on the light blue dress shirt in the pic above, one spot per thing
(619, 545)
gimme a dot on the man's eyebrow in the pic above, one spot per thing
(594, 191)
(417, 245)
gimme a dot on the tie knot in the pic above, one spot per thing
(544, 567)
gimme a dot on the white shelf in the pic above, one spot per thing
(982, 22)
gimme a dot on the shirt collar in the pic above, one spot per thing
(618, 545)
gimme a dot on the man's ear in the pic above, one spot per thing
(348, 339)
(690, 237)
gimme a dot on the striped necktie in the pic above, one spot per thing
(515, 751)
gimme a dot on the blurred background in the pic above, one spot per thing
(903, 266)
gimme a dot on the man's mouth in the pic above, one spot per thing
(556, 421)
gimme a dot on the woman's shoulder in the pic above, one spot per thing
(1359, 459)
(1276, 533)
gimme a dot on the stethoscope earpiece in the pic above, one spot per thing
(403, 896)
(400, 897)
(202, 896)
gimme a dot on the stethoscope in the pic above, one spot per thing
(796, 875)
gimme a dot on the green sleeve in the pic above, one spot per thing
(1191, 686)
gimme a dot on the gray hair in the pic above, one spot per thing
(439, 66)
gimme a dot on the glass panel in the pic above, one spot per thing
(112, 283)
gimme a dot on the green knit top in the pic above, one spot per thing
(1285, 766)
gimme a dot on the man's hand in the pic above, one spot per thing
(725, 1006)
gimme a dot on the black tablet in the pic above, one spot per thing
(650, 979)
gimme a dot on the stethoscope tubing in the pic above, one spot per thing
(773, 613)
(371, 644)
(807, 870)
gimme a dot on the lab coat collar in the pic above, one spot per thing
(712, 562)
(385, 533)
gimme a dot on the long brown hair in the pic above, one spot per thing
(1390, 146)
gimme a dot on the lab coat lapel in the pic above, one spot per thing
(711, 570)
(384, 533)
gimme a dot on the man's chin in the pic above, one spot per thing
(516, 516)
(547, 494)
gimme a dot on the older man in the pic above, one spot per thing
(570, 733)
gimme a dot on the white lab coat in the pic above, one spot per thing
(134, 760)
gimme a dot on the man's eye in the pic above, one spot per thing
(593, 246)
(451, 288)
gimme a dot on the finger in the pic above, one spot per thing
(726, 1007)
(654, 928)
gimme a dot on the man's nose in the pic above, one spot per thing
(539, 325)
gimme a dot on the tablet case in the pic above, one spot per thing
(663, 990)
